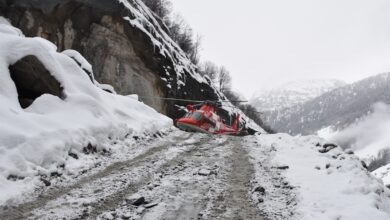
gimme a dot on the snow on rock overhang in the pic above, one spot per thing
(37, 139)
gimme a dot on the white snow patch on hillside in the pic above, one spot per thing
(292, 93)
(36, 140)
(383, 173)
(331, 185)
(327, 132)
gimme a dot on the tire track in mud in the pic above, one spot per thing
(116, 199)
(279, 199)
(233, 200)
(185, 196)
(206, 177)
(223, 193)
(23, 211)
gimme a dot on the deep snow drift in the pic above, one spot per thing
(36, 140)
(330, 184)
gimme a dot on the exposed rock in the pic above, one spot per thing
(75, 156)
(282, 167)
(14, 177)
(139, 201)
(364, 165)
(89, 149)
(122, 54)
(260, 190)
(327, 147)
(46, 182)
(55, 174)
(32, 80)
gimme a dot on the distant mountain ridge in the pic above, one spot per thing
(292, 93)
(338, 108)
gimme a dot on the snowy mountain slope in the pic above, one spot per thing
(292, 93)
(368, 135)
(338, 108)
(36, 140)
(127, 45)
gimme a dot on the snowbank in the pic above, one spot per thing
(36, 140)
(329, 185)
(383, 173)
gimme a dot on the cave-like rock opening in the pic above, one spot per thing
(32, 80)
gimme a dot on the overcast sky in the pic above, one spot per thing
(269, 42)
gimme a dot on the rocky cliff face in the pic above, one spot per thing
(126, 44)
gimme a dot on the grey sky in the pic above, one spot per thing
(269, 42)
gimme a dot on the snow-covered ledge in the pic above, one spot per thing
(36, 140)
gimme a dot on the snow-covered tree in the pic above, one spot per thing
(209, 69)
(224, 80)
(162, 8)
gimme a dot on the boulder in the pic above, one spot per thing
(32, 80)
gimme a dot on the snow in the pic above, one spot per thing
(332, 185)
(79, 58)
(369, 135)
(292, 93)
(36, 140)
(7, 28)
(383, 173)
(326, 133)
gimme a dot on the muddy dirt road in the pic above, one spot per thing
(181, 176)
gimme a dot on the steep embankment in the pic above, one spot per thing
(126, 44)
(338, 108)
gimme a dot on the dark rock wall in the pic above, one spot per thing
(121, 55)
